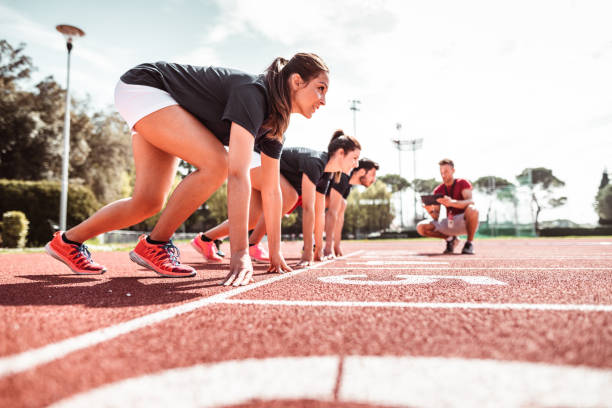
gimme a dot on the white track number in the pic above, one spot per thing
(409, 280)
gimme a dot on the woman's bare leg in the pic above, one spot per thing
(155, 170)
(177, 132)
(290, 196)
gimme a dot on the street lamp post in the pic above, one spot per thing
(414, 145)
(69, 32)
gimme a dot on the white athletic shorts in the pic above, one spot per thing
(458, 228)
(255, 159)
(134, 102)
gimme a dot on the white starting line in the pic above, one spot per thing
(560, 307)
(397, 263)
(409, 280)
(380, 380)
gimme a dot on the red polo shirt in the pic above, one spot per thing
(454, 192)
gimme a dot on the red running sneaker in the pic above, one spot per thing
(208, 249)
(76, 257)
(258, 253)
(162, 258)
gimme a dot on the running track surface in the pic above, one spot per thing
(523, 323)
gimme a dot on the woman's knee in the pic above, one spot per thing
(148, 205)
(213, 167)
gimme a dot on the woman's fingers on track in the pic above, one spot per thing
(229, 278)
(285, 267)
(244, 277)
(241, 270)
(302, 264)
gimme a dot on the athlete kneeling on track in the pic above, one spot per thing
(462, 215)
(303, 180)
(365, 175)
(191, 112)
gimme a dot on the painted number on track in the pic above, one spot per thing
(409, 280)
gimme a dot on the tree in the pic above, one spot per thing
(354, 214)
(543, 184)
(378, 214)
(496, 187)
(31, 130)
(604, 179)
(425, 186)
(395, 181)
(603, 205)
(14, 66)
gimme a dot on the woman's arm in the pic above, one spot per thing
(338, 231)
(331, 218)
(308, 219)
(319, 225)
(238, 199)
(272, 208)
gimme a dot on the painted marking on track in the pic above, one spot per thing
(505, 268)
(380, 380)
(397, 263)
(545, 307)
(409, 280)
(31, 358)
(392, 256)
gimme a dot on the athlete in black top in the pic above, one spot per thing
(215, 106)
(301, 169)
(363, 175)
(215, 96)
(305, 175)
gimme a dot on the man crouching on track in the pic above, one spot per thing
(462, 215)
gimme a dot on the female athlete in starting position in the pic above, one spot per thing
(190, 112)
(304, 179)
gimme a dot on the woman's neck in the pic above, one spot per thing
(333, 164)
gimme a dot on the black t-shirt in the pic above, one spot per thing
(343, 186)
(324, 184)
(296, 161)
(215, 96)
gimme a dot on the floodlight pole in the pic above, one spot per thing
(414, 145)
(398, 146)
(355, 109)
(69, 33)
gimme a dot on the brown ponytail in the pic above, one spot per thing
(308, 66)
(341, 141)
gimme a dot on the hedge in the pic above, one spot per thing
(14, 229)
(40, 200)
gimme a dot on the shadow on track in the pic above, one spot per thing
(70, 289)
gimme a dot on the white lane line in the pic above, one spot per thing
(31, 358)
(408, 280)
(397, 263)
(379, 380)
(425, 305)
(505, 268)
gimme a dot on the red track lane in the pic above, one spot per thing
(41, 303)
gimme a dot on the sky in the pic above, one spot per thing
(497, 86)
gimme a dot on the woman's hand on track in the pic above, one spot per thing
(241, 270)
(278, 264)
